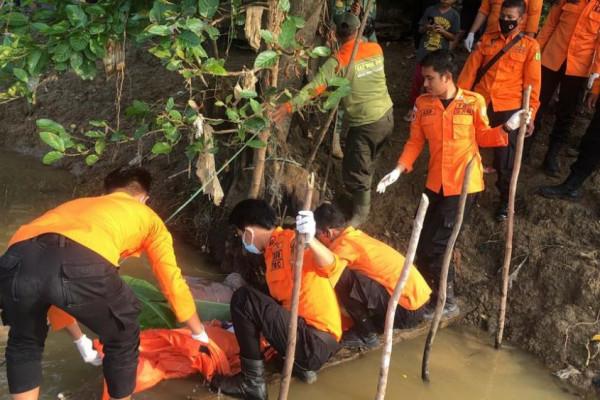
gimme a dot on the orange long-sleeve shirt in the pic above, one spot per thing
(530, 23)
(383, 264)
(454, 135)
(116, 226)
(503, 84)
(571, 34)
(318, 303)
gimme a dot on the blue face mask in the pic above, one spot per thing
(250, 247)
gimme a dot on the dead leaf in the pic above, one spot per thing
(252, 25)
(205, 165)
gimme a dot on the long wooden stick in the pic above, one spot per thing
(332, 113)
(441, 301)
(293, 326)
(512, 193)
(393, 302)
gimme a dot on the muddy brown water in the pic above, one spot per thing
(463, 366)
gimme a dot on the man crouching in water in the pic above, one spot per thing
(255, 313)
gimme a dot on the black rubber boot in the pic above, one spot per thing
(551, 165)
(501, 213)
(305, 375)
(451, 308)
(248, 384)
(568, 190)
(362, 335)
(361, 205)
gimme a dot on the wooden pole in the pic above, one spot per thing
(441, 301)
(512, 193)
(393, 302)
(332, 113)
(293, 326)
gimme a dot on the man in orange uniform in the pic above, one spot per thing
(365, 286)
(454, 123)
(570, 46)
(254, 313)
(503, 83)
(68, 258)
(490, 12)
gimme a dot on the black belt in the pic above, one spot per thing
(53, 239)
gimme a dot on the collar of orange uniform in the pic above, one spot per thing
(459, 96)
(510, 37)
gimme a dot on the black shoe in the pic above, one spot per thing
(305, 375)
(353, 340)
(451, 310)
(501, 213)
(248, 384)
(551, 165)
(568, 190)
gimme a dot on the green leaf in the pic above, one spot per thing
(159, 30)
(52, 156)
(14, 19)
(33, 60)
(248, 94)
(256, 106)
(48, 125)
(87, 71)
(61, 53)
(175, 115)
(97, 47)
(190, 39)
(100, 146)
(320, 51)
(79, 42)
(256, 144)
(214, 67)
(76, 16)
(155, 309)
(141, 131)
(213, 33)
(137, 109)
(98, 123)
(161, 148)
(94, 134)
(59, 28)
(265, 59)
(91, 160)
(267, 36)
(232, 115)
(287, 36)
(208, 8)
(298, 21)
(195, 25)
(284, 5)
(170, 104)
(53, 140)
(41, 27)
(334, 98)
(255, 124)
(21, 75)
(95, 10)
(97, 29)
(76, 60)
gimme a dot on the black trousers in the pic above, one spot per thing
(588, 159)
(363, 298)
(437, 228)
(363, 145)
(504, 157)
(571, 91)
(254, 313)
(52, 270)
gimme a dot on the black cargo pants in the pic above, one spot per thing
(504, 157)
(53, 270)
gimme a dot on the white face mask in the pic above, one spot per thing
(250, 247)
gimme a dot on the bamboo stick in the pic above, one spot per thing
(441, 301)
(512, 193)
(332, 113)
(393, 302)
(293, 326)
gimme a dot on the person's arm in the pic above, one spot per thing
(323, 257)
(484, 134)
(534, 12)
(481, 17)
(414, 146)
(159, 248)
(533, 76)
(550, 25)
(467, 76)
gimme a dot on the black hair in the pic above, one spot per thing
(520, 4)
(136, 178)
(442, 61)
(344, 32)
(328, 216)
(253, 212)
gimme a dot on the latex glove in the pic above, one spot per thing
(514, 122)
(591, 79)
(202, 337)
(86, 349)
(306, 225)
(388, 180)
(469, 41)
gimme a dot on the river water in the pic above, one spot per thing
(463, 365)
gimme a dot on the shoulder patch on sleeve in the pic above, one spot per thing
(538, 56)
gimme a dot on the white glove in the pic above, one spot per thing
(469, 41)
(514, 122)
(592, 78)
(86, 349)
(306, 225)
(388, 180)
(202, 337)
